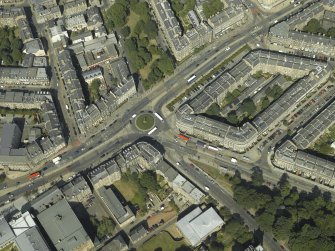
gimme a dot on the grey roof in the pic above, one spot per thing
(31, 240)
(49, 197)
(137, 232)
(63, 227)
(120, 212)
(6, 233)
(197, 225)
(117, 243)
(10, 138)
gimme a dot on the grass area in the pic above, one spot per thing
(10, 247)
(172, 229)
(127, 189)
(163, 242)
(144, 72)
(220, 178)
(145, 121)
(132, 20)
(214, 110)
(170, 106)
(322, 145)
(93, 89)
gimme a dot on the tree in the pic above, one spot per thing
(125, 31)
(148, 180)
(265, 220)
(284, 185)
(212, 7)
(17, 55)
(232, 118)
(104, 227)
(154, 75)
(143, 10)
(275, 92)
(144, 54)
(130, 44)
(150, 28)
(257, 176)
(265, 103)
(314, 26)
(331, 32)
(248, 107)
(165, 63)
(282, 227)
(239, 231)
(138, 28)
(117, 13)
(2, 177)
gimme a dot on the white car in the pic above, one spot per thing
(227, 49)
(206, 188)
(134, 115)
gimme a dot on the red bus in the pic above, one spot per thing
(34, 175)
(183, 137)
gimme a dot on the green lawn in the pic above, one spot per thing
(214, 110)
(145, 122)
(163, 242)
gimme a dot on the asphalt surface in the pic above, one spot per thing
(101, 144)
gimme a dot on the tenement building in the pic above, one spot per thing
(290, 35)
(291, 157)
(309, 72)
(18, 156)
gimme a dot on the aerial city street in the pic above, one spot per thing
(167, 125)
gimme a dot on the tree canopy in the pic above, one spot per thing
(212, 7)
(303, 220)
(10, 47)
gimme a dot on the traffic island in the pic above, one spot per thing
(145, 122)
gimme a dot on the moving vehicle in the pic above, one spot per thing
(212, 148)
(152, 131)
(233, 160)
(191, 79)
(158, 116)
(34, 175)
(183, 137)
(56, 160)
(206, 188)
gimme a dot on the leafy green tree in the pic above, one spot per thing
(131, 44)
(232, 118)
(154, 75)
(165, 63)
(212, 7)
(125, 31)
(331, 32)
(265, 103)
(257, 177)
(17, 55)
(150, 28)
(248, 107)
(139, 28)
(236, 229)
(148, 180)
(104, 227)
(275, 92)
(117, 13)
(143, 42)
(145, 54)
(314, 26)
(265, 220)
(282, 227)
(142, 9)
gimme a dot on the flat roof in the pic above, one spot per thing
(197, 225)
(62, 226)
